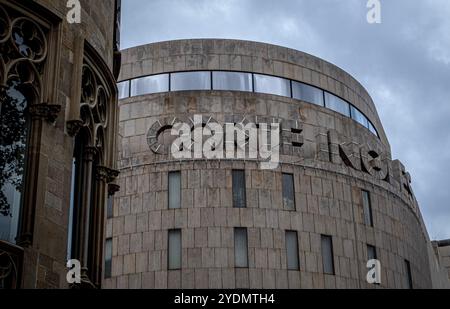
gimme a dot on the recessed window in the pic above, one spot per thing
(108, 258)
(371, 253)
(190, 81)
(150, 84)
(239, 192)
(367, 208)
(337, 104)
(292, 250)
(359, 117)
(174, 190)
(240, 248)
(233, 81)
(272, 85)
(123, 89)
(327, 255)
(307, 93)
(409, 279)
(288, 192)
(174, 248)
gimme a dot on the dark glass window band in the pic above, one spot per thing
(298, 91)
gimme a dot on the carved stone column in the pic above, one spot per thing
(38, 114)
(98, 224)
(104, 176)
(88, 159)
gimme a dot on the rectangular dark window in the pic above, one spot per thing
(327, 254)
(174, 190)
(239, 192)
(174, 251)
(240, 248)
(108, 258)
(292, 250)
(409, 279)
(371, 253)
(367, 208)
(288, 192)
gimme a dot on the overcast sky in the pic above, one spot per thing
(404, 63)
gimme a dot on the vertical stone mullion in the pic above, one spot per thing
(96, 247)
(88, 159)
(26, 225)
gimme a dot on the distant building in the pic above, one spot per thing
(443, 252)
(336, 200)
(57, 146)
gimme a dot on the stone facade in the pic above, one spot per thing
(69, 51)
(328, 188)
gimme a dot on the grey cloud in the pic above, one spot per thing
(404, 63)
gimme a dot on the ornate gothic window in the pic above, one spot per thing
(25, 79)
(92, 173)
(23, 49)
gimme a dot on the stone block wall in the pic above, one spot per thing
(326, 203)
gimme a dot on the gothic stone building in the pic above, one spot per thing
(58, 131)
(336, 201)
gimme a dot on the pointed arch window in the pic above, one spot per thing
(28, 70)
(92, 173)
(23, 53)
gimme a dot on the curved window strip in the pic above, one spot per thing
(241, 81)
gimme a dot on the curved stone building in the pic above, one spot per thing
(335, 201)
(57, 147)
